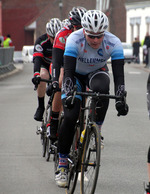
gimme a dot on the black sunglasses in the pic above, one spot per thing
(94, 36)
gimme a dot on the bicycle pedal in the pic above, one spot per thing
(39, 130)
(51, 151)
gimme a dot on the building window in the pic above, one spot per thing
(148, 24)
(135, 23)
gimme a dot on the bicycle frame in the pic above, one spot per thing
(77, 162)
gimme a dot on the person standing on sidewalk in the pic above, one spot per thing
(136, 50)
(7, 41)
(147, 46)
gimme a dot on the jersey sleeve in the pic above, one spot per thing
(37, 56)
(60, 39)
(117, 52)
(71, 48)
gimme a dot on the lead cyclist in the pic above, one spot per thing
(85, 64)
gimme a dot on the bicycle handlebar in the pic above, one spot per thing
(42, 80)
(97, 95)
(47, 81)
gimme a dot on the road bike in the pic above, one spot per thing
(85, 153)
(48, 146)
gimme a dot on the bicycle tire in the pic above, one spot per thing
(48, 149)
(90, 166)
(44, 141)
(46, 121)
(56, 155)
(73, 168)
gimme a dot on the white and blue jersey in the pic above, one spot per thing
(89, 59)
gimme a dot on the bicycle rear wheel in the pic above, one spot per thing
(44, 141)
(90, 160)
(48, 149)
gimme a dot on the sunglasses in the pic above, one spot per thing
(93, 36)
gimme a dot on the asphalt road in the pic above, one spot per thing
(23, 170)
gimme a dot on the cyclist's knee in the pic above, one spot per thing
(100, 82)
(44, 74)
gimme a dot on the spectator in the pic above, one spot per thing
(7, 41)
(136, 49)
(146, 47)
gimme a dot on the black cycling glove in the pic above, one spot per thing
(52, 87)
(122, 108)
(36, 80)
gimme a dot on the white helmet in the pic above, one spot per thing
(66, 22)
(94, 21)
(53, 26)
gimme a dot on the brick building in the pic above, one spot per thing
(26, 20)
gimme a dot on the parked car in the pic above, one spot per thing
(128, 52)
(27, 53)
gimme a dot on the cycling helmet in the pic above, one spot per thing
(95, 21)
(66, 22)
(53, 26)
(76, 14)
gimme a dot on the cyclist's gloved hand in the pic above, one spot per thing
(36, 80)
(122, 108)
(51, 87)
(69, 103)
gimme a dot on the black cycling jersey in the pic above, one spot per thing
(42, 55)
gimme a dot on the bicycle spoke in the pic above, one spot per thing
(90, 164)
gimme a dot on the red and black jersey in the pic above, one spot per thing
(58, 50)
(42, 55)
(61, 37)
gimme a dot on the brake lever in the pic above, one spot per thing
(35, 87)
(74, 94)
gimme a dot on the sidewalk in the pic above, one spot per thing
(140, 66)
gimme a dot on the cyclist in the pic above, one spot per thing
(86, 53)
(147, 189)
(66, 22)
(58, 50)
(42, 57)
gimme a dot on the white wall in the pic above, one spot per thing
(133, 11)
(139, 10)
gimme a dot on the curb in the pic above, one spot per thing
(141, 66)
(10, 70)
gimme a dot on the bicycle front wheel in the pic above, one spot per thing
(90, 160)
(73, 162)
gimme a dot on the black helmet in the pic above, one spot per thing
(76, 14)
